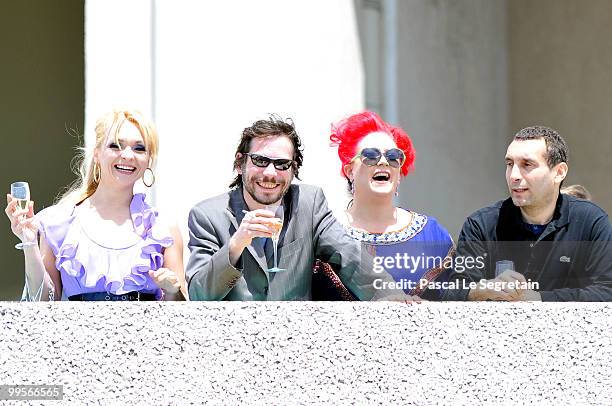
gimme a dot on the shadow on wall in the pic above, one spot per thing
(42, 96)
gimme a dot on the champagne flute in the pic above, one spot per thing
(21, 192)
(277, 225)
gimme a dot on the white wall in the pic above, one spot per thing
(119, 67)
(206, 70)
(118, 58)
(309, 353)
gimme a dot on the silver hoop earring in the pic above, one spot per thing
(352, 183)
(152, 176)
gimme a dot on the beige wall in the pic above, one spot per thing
(453, 102)
(561, 76)
(42, 76)
(473, 72)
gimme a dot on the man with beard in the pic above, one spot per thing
(230, 234)
(537, 237)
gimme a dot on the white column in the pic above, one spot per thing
(118, 58)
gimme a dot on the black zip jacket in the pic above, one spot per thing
(571, 260)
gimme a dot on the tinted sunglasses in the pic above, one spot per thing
(371, 156)
(263, 161)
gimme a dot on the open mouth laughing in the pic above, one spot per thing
(381, 176)
(125, 169)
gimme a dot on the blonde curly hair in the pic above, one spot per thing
(107, 126)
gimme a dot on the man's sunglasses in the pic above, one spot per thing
(371, 156)
(263, 161)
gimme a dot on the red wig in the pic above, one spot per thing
(347, 133)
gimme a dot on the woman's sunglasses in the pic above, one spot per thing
(371, 156)
(263, 161)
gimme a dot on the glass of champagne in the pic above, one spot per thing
(276, 224)
(503, 266)
(21, 192)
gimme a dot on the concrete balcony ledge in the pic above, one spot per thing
(311, 352)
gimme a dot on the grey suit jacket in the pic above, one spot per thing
(309, 230)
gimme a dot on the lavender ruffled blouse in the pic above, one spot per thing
(88, 266)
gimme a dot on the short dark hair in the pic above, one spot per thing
(274, 126)
(556, 147)
(578, 191)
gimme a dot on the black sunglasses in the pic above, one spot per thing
(371, 156)
(263, 161)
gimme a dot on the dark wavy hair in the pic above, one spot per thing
(274, 126)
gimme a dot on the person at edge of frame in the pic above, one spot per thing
(560, 246)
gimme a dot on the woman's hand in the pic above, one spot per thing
(414, 300)
(401, 298)
(23, 222)
(166, 279)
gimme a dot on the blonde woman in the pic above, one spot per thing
(102, 241)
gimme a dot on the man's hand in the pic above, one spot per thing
(256, 223)
(529, 295)
(508, 291)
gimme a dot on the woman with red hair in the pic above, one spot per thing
(410, 246)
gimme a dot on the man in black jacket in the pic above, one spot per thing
(538, 244)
